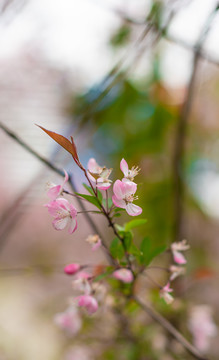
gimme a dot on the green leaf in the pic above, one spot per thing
(157, 251)
(145, 248)
(109, 202)
(135, 251)
(116, 249)
(118, 210)
(127, 238)
(120, 228)
(90, 190)
(149, 253)
(103, 275)
(134, 223)
(91, 199)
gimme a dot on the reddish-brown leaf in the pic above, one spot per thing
(63, 142)
(204, 273)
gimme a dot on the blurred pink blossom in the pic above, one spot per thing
(89, 302)
(165, 294)
(202, 326)
(124, 275)
(56, 190)
(176, 271)
(72, 269)
(94, 241)
(69, 321)
(81, 283)
(64, 214)
(176, 247)
(124, 196)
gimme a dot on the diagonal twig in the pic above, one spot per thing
(180, 137)
(170, 328)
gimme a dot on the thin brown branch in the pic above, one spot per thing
(171, 329)
(170, 37)
(180, 137)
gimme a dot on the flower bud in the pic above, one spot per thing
(72, 269)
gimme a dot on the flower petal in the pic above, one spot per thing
(60, 223)
(73, 211)
(179, 258)
(104, 185)
(93, 166)
(97, 245)
(118, 202)
(130, 188)
(124, 167)
(124, 275)
(73, 225)
(133, 210)
(119, 189)
(54, 192)
(66, 178)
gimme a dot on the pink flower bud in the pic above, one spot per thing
(71, 269)
(124, 275)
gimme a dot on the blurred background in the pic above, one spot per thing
(126, 78)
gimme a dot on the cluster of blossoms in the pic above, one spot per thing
(65, 214)
(90, 294)
(175, 270)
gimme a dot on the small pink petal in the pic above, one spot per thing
(73, 225)
(60, 224)
(118, 202)
(83, 275)
(92, 165)
(130, 187)
(104, 186)
(66, 178)
(124, 275)
(119, 189)
(54, 192)
(124, 167)
(179, 258)
(97, 245)
(133, 210)
(72, 269)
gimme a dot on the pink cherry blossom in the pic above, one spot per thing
(165, 294)
(99, 174)
(72, 269)
(69, 321)
(176, 247)
(82, 283)
(176, 271)
(56, 190)
(94, 241)
(124, 196)
(202, 326)
(64, 214)
(124, 275)
(129, 175)
(89, 302)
